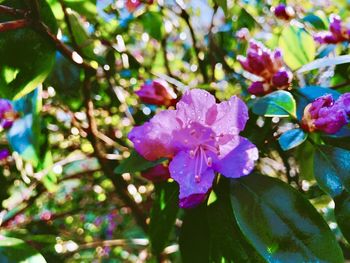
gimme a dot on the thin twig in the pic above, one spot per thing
(12, 11)
(13, 25)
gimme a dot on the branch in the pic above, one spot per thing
(119, 183)
(13, 25)
(12, 11)
(184, 15)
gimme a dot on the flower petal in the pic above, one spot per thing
(194, 105)
(231, 116)
(237, 158)
(192, 200)
(182, 170)
(153, 140)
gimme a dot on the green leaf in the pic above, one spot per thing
(298, 47)
(223, 5)
(13, 250)
(85, 7)
(291, 139)
(194, 238)
(305, 156)
(324, 62)
(342, 213)
(135, 163)
(277, 104)
(315, 21)
(163, 215)
(153, 24)
(226, 239)
(332, 169)
(280, 223)
(27, 56)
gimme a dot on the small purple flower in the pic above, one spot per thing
(4, 154)
(283, 12)
(201, 137)
(157, 92)
(243, 34)
(7, 114)
(337, 32)
(268, 65)
(326, 115)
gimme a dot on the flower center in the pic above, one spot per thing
(202, 159)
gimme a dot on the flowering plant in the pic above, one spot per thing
(174, 131)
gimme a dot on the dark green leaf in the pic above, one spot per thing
(13, 250)
(163, 215)
(298, 47)
(291, 139)
(135, 163)
(332, 169)
(226, 239)
(342, 213)
(194, 236)
(26, 55)
(222, 4)
(153, 24)
(277, 104)
(280, 223)
(315, 20)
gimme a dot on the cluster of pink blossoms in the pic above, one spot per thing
(157, 92)
(268, 65)
(327, 115)
(337, 33)
(200, 137)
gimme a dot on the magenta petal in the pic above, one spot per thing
(153, 140)
(231, 117)
(237, 158)
(194, 105)
(192, 200)
(182, 170)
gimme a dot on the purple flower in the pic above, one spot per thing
(201, 137)
(157, 92)
(337, 32)
(4, 154)
(283, 12)
(266, 64)
(326, 115)
(7, 114)
(158, 173)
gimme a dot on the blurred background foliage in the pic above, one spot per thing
(63, 200)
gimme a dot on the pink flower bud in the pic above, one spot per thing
(283, 12)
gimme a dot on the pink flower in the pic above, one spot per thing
(201, 137)
(337, 32)
(157, 173)
(268, 65)
(283, 12)
(326, 115)
(243, 34)
(132, 5)
(157, 92)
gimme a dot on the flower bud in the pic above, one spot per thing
(7, 114)
(242, 34)
(258, 88)
(4, 154)
(282, 78)
(283, 12)
(156, 174)
(325, 115)
(157, 92)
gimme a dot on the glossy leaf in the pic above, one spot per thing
(291, 139)
(226, 239)
(298, 47)
(26, 55)
(332, 169)
(135, 163)
(194, 238)
(324, 62)
(280, 223)
(315, 21)
(277, 104)
(13, 250)
(163, 215)
(342, 213)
